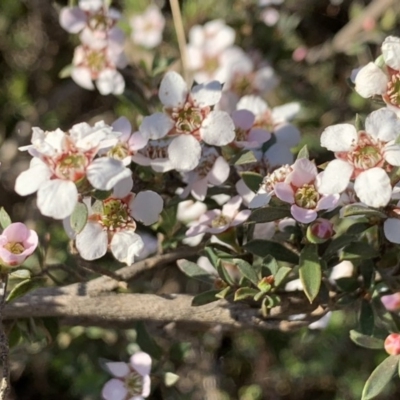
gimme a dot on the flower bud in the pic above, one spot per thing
(391, 301)
(392, 344)
(320, 231)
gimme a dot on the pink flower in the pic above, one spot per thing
(391, 301)
(392, 344)
(132, 380)
(17, 243)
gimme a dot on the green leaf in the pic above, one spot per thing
(205, 297)
(170, 379)
(268, 214)
(271, 265)
(24, 287)
(224, 275)
(14, 336)
(244, 293)
(357, 228)
(356, 209)
(264, 248)
(247, 270)
(359, 124)
(359, 250)
(310, 271)
(101, 194)
(366, 341)
(246, 157)
(212, 257)
(303, 153)
(194, 271)
(146, 341)
(20, 274)
(5, 219)
(281, 275)
(367, 270)
(79, 217)
(223, 293)
(252, 180)
(336, 244)
(380, 377)
(366, 318)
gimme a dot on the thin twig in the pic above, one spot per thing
(180, 34)
(4, 348)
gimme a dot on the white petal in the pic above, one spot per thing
(370, 81)
(218, 129)
(231, 208)
(278, 154)
(245, 192)
(147, 206)
(373, 187)
(199, 189)
(260, 200)
(126, 245)
(118, 369)
(114, 389)
(392, 154)
(104, 173)
(156, 126)
(122, 125)
(57, 198)
(123, 187)
(287, 134)
(339, 137)
(92, 242)
(173, 90)
(302, 214)
(219, 172)
(335, 178)
(141, 363)
(243, 119)
(184, 153)
(82, 77)
(383, 124)
(207, 94)
(29, 181)
(391, 52)
(72, 19)
(285, 112)
(255, 104)
(110, 81)
(391, 227)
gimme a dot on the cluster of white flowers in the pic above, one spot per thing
(101, 50)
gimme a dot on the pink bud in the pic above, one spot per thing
(320, 231)
(391, 301)
(392, 344)
(300, 54)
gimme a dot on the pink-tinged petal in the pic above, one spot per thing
(391, 228)
(57, 198)
(231, 208)
(340, 137)
(173, 90)
(373, 187)
(30, 180)
(391, 52)
(16, 232)
(258, 136)
(383, 124)
(196, 229)
(218, 129)
(255, 104)
(110, 81)
(184, 153)
(328, 202)
(302, 214)
(285, 112)
(146, 388)
(126, 245)
(82, 77)
(284, 192)
(137, 142)
(207, 94)
(104, 173)
(243, 119)
(118, 369)
(245, 192)
(287, 134)
(161, 165)
(156, 126)
(147, 206)
(199, 189)
(73, 20)
(123, 188)
(92, 241)
(114, 389)
(304, 172)
(335, 177)
(219, 172)
(122, 125)
(141, 363)
(392, 154)
(370, 81)
(260, 200)
(241, 217)
(278, 154)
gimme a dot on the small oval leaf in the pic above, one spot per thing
(310, 271)
(79, 217)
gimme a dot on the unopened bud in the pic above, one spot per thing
(392, 344)
(391, 301)
(320, 231)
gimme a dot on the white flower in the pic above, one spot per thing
(189, 120)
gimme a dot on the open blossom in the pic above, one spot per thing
(63, 161)
(17, 243)
(218, 221)
(189, 120)
(365, 156)
(383, 80)
(113, 226)
(131, 380)
(212, 170)
(147, 28)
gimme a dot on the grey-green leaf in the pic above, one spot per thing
(247, 270)
(79, 217)
(366, 341)
(310, 271)
(5, 219)
(194, 271)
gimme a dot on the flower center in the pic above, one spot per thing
(115, 214)
(100, 22)
(241, 135)
(156, 149)
(219, 221)
(242, 84)
(306, 197)
(71, 167)
(96, 60)
(15, 247)
(188, 119)
(119, 152)
(393, 90)
(211, 64)
(265, 121)
(134, 384)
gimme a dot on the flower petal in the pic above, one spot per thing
(147, 206)
(284, 192)
(92, 241)
(219, 172)
(207, 94)
(156, 126)
(184, 153)
(218, 129)
(383, 124)
(73, 20)
(110, 81)
(82, 77)
(118, 369)
(335, 178)
(373, 187)
(126, 246)
(173, 90)
(114, 389)
(104, 173)
(303, 215)
(370, 81)
(141, 363)
(340, 137)
(287, 134)
(391, 52)
(391, 227)
(29, 181)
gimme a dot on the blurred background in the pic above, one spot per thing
(313, 45)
